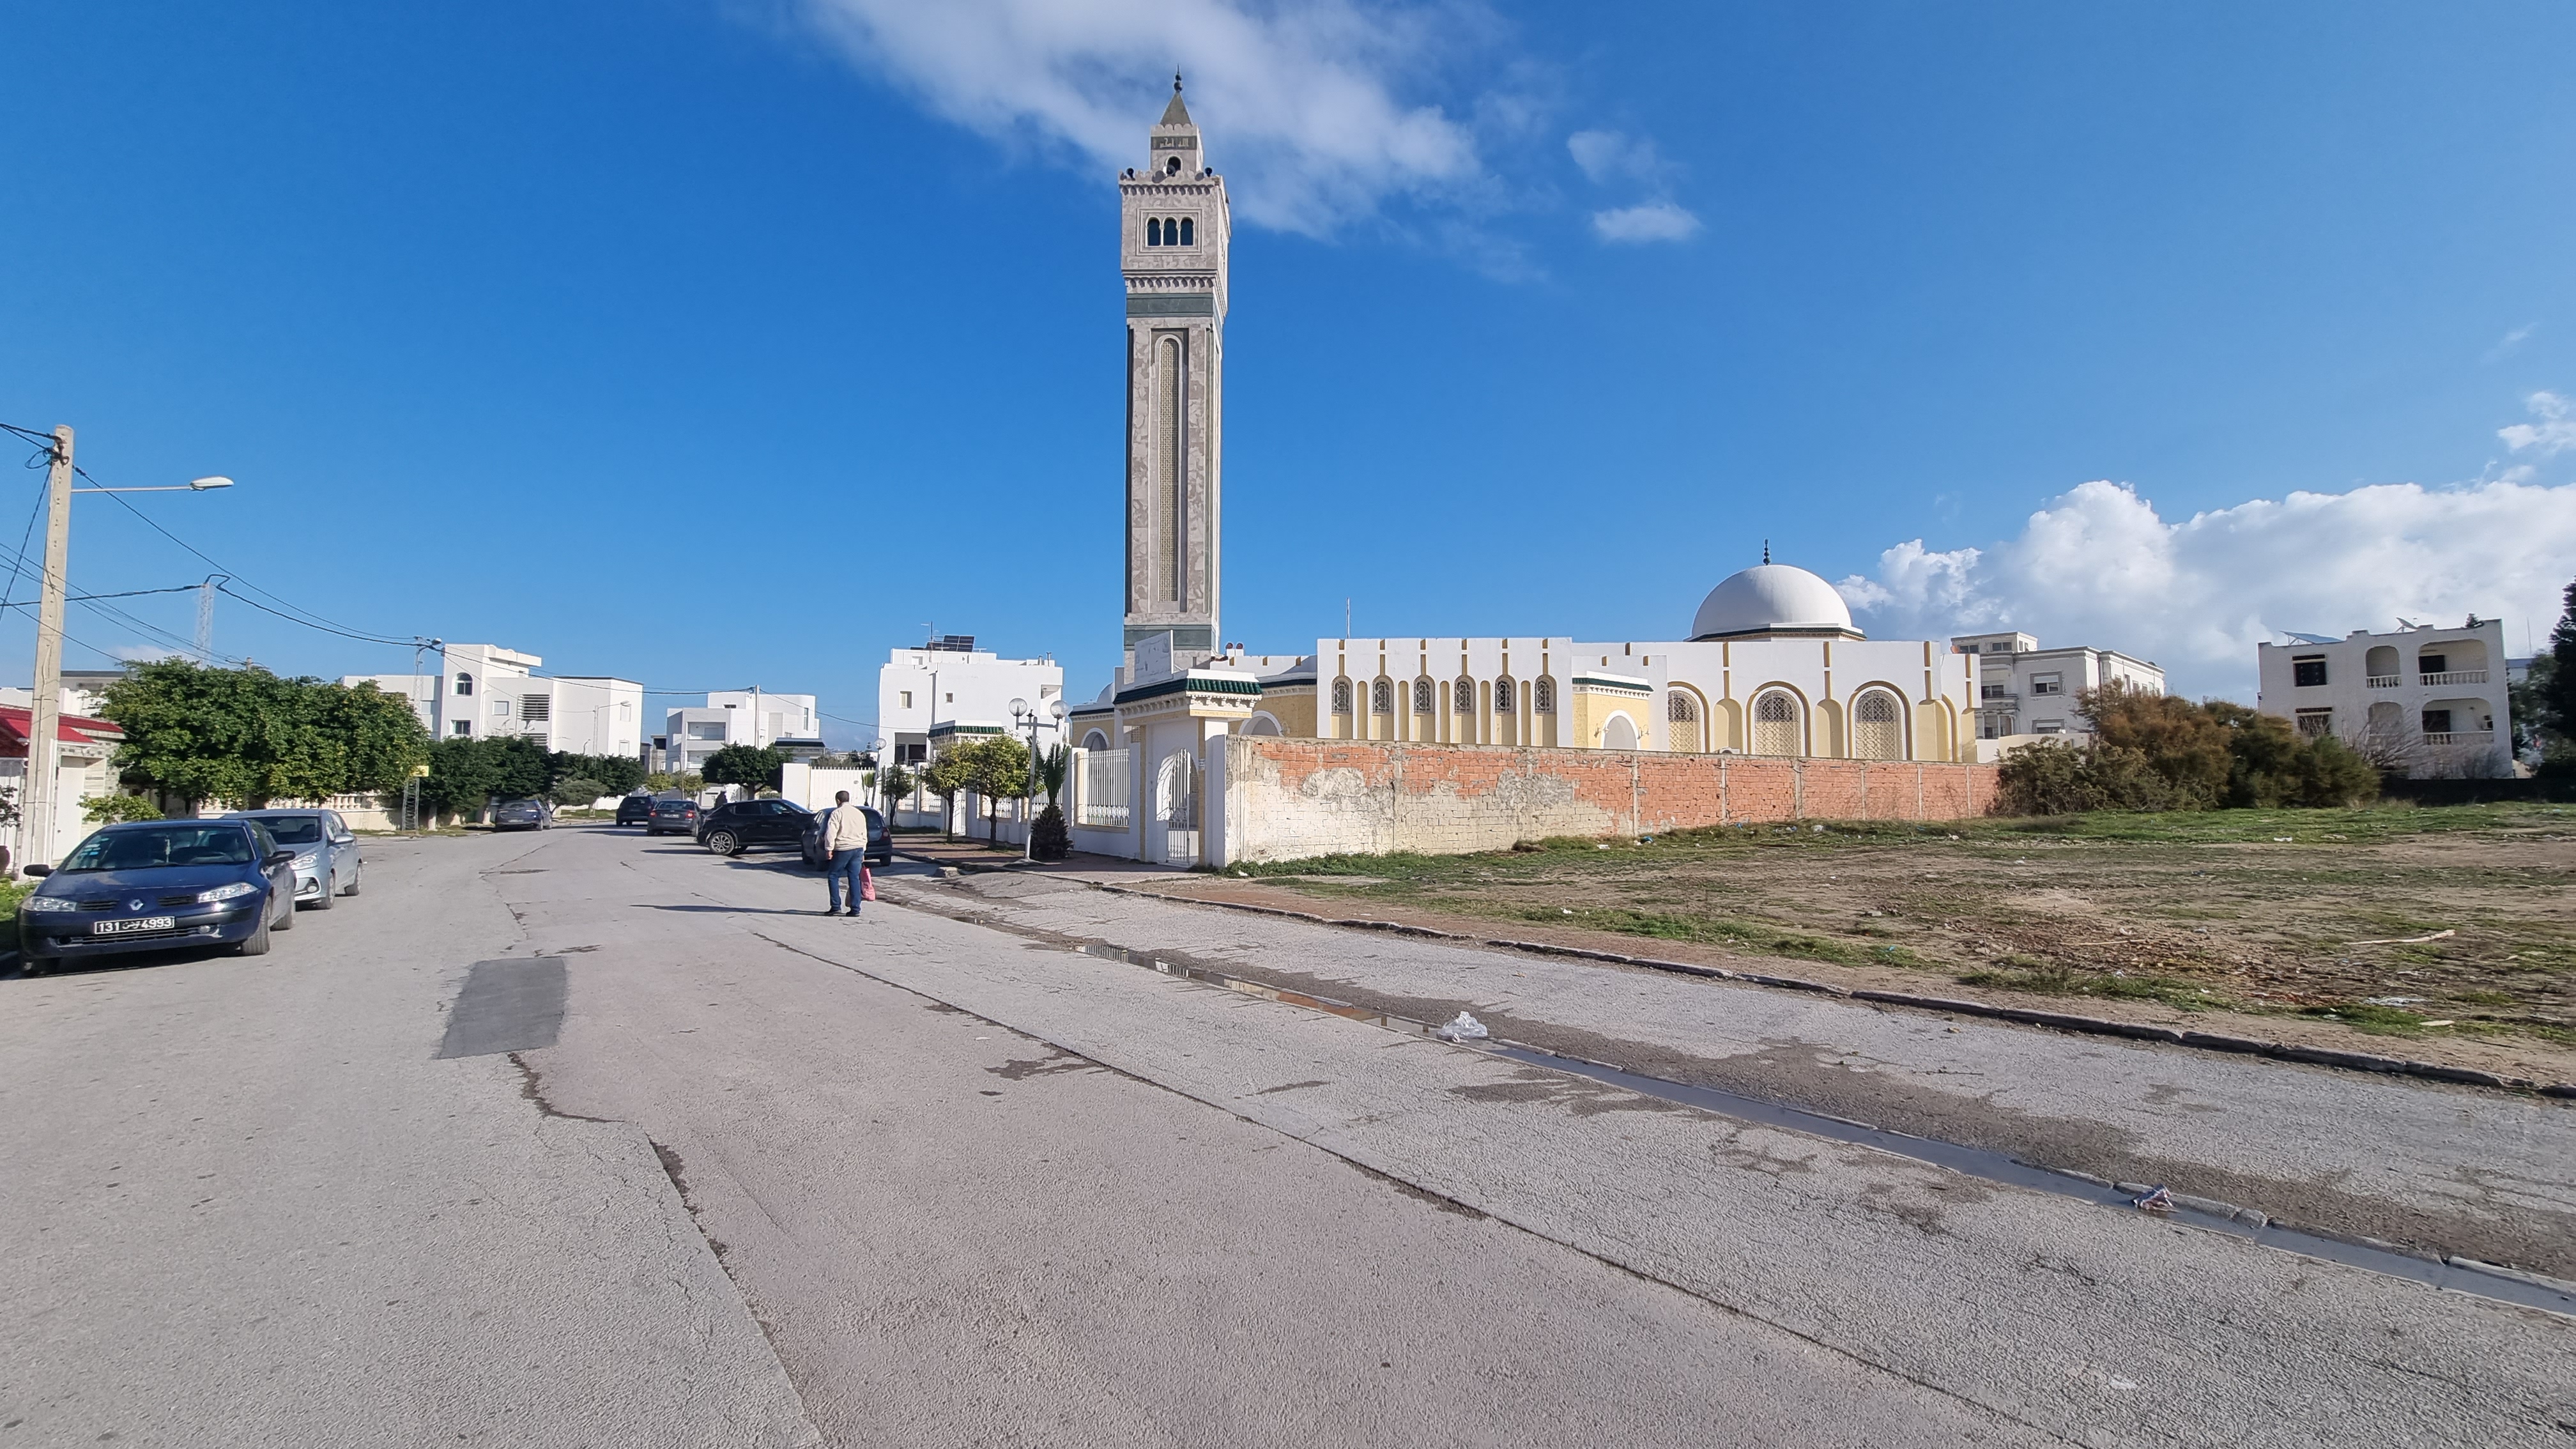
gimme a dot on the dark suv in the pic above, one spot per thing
(740, 825)
(635, 810)
(880, 844)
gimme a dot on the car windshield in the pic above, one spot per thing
(294, 829)
(162, 845)
(674, 806)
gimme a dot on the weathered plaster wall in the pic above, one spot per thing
(1288, 799)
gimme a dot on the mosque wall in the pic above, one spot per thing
(1290, 799)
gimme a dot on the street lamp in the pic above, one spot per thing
(36, 822)
(1021, 713)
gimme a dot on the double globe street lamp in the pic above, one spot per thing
(1030, 719)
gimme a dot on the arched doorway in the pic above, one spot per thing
(1620, 733)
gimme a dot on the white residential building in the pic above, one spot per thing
(485, 690)
(2423, 701)
(754, 717)
(950, 682)
(2026, 693)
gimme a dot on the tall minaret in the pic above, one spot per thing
(1174, 228)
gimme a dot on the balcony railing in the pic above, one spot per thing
(2384, 681)
(2457, 676)
(2459, 737)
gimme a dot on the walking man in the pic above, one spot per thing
(845, 851)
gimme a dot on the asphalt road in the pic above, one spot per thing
(914, 1180)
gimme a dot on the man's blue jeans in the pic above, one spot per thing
(845, 865)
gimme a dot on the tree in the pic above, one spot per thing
(616, 774)
(1048, 837)
(465, 773)
(998, 769)
(893, 783)
(2549, 696)
(248, 736)
(2175, 737)
(107, 809)
(754, 769)
(577, 793)
(949, 774)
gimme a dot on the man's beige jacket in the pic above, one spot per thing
(845, 829)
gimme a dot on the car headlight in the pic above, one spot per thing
(308, 860)
(50, 903)
(234, 891)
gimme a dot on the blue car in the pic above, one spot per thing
(326, 851)
(158, 885)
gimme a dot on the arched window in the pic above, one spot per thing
(1153, 231)
(1503, 696)
(1775, 724)
(1341, 696)
(1188, 230)
(1878, 727)
(1382, 697)
(1681, 722)
(1463, 699)
(465, 684)
(1172, 167)
(1096, 740)
(1543, 695)
(1423, 694)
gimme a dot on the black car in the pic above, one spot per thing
(740, 825)
(522, 815)
(152, 885)
(672, 817)
(880, 844)
(635, 810)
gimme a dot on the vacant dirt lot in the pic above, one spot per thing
(2452, 927)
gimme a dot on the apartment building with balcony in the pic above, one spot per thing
(2423, 701)
(949, 680)
(2026, 693)
(759, 718)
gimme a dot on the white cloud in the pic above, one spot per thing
(1608, 156)
(2099, 566)
(1653, 221)
(2554, 433)
(1300, 98)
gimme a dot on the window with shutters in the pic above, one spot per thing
(1341, 696)
(537, 707)
(1382, 697)
(1775, 724)
(1543, 695)
(1424, 692)
(1878, 727)
(1682, 723)
(1503, 693)
(1464, 697)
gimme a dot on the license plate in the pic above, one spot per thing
(133, 927)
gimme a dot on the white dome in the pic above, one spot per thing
(1772, 598)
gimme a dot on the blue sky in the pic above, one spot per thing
(717, 343)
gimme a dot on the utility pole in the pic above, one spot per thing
(36, 807)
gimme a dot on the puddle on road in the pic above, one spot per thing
(1977, 1162)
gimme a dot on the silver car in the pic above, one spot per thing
(326, 852)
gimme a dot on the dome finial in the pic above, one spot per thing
(1176, 83)
(1766, 550)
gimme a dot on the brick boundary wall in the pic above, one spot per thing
(1290, 799)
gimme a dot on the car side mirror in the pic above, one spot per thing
(281, 857)
(40, 870)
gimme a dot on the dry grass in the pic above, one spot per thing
(2291, 912)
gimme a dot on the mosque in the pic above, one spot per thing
(1772, 665)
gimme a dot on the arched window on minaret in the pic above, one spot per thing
(1187, 227)
(1153, 231)
(1172, 167)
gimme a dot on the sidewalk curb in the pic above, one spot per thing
(2053, 1020)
